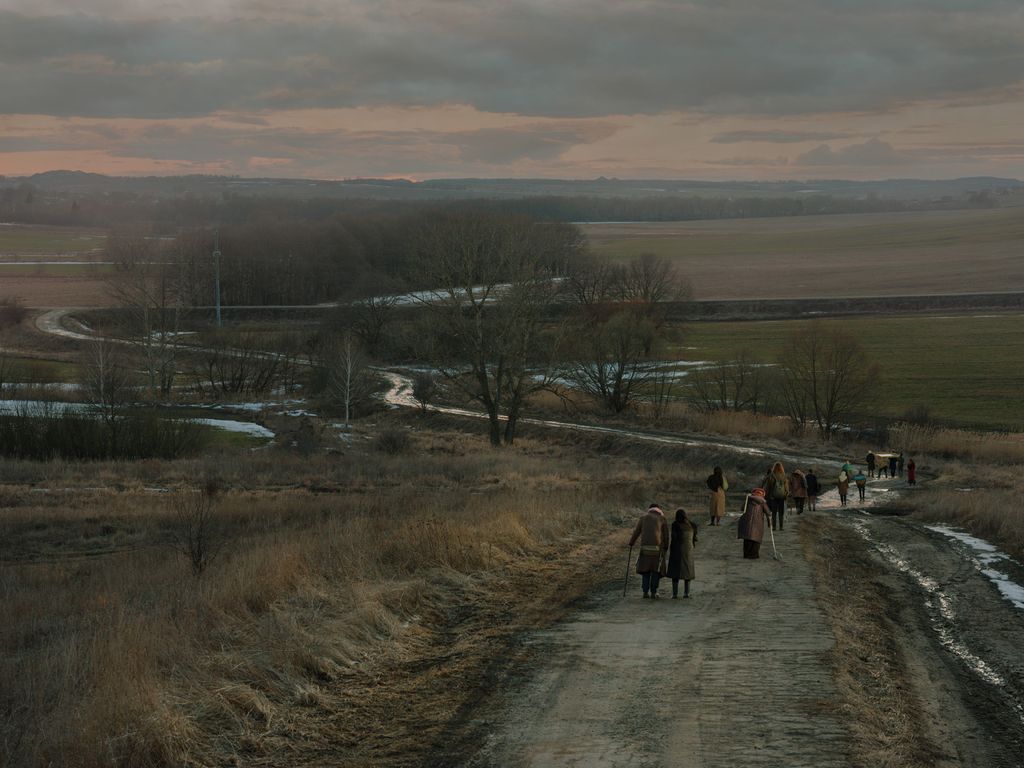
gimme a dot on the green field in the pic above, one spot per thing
(966, 370)
(23, 240)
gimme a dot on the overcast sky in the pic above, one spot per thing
(709, 89)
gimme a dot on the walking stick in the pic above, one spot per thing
(775, 553)
(629, 558)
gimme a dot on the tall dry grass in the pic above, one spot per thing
(987, 447)
(983, 499)
(115, 655)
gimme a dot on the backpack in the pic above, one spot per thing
(712, 483)
(778, 488)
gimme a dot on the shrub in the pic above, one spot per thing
(393, 442)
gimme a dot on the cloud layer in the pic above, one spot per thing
(566, 79)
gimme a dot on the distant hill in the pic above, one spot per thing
(470, 188)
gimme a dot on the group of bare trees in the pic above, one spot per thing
(821, 376)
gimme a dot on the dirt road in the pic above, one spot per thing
(744, 674)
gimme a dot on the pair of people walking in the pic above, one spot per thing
(664, 552)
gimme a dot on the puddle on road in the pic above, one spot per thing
(984, 556)
(941, 610)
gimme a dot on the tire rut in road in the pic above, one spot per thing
(967, 634)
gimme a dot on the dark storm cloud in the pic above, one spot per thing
(569, 59)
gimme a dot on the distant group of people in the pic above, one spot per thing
(668, 551)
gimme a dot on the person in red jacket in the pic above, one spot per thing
(911, 473)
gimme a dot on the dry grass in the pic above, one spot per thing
(986, 447)
(984, 500)
(873, 678)
(57, 291)
(347, 619)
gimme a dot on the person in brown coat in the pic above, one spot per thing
(752, 522)
(717, 485)
(798, 490)
(652, 531)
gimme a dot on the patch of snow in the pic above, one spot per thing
(245, 427)
(985, 555)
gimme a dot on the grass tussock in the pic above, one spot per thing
(325, 596)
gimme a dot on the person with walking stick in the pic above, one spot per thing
(652, 531)
(752, 523)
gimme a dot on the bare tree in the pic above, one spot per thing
(106, 380)
(424, 389)
(826, 376)
(620, 326)
(611, 360)
(494, 278)
(345, 373)
(740, 384)
(199, 533)
(240, 365)
(147, 288)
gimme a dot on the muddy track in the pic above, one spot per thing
(745, 672)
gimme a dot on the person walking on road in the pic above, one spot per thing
(861, 480)
(652, 531)
(892, 465)
(798, 490)
(717, 485)
(680, 553)
(899, 464)
(776, 488)
(911, 473)
(813, 488)
(752, 523)
(843, 484)
(870, 461)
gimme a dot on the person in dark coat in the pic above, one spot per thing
(652, 531)
(911, 473)
(861, 480)
(813, 489)
(892, 465)
(870, 461)
(776, 489)
(899, 464)
(680, 553)
(752, 523)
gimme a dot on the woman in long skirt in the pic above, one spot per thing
(752, 523)
(680, 553)
(717, 485)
